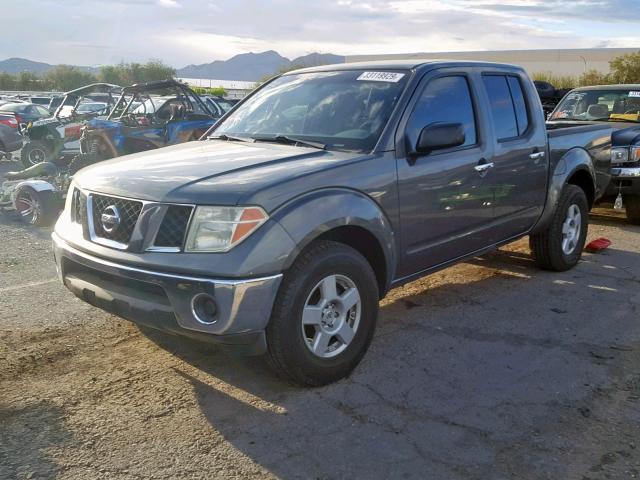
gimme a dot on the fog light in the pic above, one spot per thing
(204, 308)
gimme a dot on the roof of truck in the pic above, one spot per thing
(408, 64)
(621, 86)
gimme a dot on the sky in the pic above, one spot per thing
(181, 32)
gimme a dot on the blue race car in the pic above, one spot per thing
(146, 116)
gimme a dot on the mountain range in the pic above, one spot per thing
(246, 66)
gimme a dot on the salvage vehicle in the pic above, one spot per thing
(25, 112)
(37, 194)
(10, 138)
(50, 138)
(619, 106)
(147, 116)
(281, 229)
(218, 105)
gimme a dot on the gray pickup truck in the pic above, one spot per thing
(281, 229)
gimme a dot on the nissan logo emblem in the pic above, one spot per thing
(110, 218)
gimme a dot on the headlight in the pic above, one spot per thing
(218, 229)
(625, 155)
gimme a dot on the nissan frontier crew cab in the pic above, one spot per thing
(280, 230)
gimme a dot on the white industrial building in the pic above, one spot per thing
(234, 88)
(557, 61)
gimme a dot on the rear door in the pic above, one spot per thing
(445, 202)
(519, 174)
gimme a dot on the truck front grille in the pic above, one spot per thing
(126, 210)
(174, 226)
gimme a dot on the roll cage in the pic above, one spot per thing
(75, 97)
(140, 93)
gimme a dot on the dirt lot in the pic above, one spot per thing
(489, 370)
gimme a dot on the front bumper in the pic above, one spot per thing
(624, 180)
(164, 300)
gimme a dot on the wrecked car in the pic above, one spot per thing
(37, 193)
(50, 138)
(147, 116)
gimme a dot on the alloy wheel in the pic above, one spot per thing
(331, 316)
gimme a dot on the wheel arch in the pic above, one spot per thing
(575, 167)
(345, 216)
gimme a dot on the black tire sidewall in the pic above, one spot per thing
(572, 196)
(632, 208)
(286, 319)
(29, 148)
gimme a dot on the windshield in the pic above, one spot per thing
(607, 105)
(344, 110)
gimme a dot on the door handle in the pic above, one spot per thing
(536, 155)
(483, 167)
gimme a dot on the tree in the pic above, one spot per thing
(626, 68)
(215, 91)
(594, 77)
(67, 77)
(130, 73)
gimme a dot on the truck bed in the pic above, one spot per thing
(595, 138)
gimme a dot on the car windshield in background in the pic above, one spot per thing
(606, 105)
(343, 110)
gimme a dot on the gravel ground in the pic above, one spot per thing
(491, 369)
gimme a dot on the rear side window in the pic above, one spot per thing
(519, 104)
(508, 107)
(502, 111)
(444, 100)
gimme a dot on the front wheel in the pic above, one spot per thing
(632, 206)
(36, 208)
(324, 315)
(559, 247)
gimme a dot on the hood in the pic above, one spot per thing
(205, 172)
(626, 137)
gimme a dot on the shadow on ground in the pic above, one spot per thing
(500, 375)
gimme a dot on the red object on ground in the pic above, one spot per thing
(597, 245)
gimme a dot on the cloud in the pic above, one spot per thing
(169, 3)
(193, 31)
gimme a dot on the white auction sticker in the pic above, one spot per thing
(392, 77)
(634, 94)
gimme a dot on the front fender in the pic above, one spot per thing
(307, 217)
(570, 163)
(37, 185)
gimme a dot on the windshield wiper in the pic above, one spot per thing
(232, 138)
(292, 141)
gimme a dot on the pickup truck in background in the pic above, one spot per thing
(618, 106)
(280, 230)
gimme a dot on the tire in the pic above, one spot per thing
(34, 152)
(36, 208)
(632, 207)
(307, 284)
(560, 246)
(82, 160)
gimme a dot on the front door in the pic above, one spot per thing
(446, 196)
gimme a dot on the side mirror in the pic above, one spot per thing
(439, 136)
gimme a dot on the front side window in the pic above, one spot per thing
(342, 110)
(444, 100)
